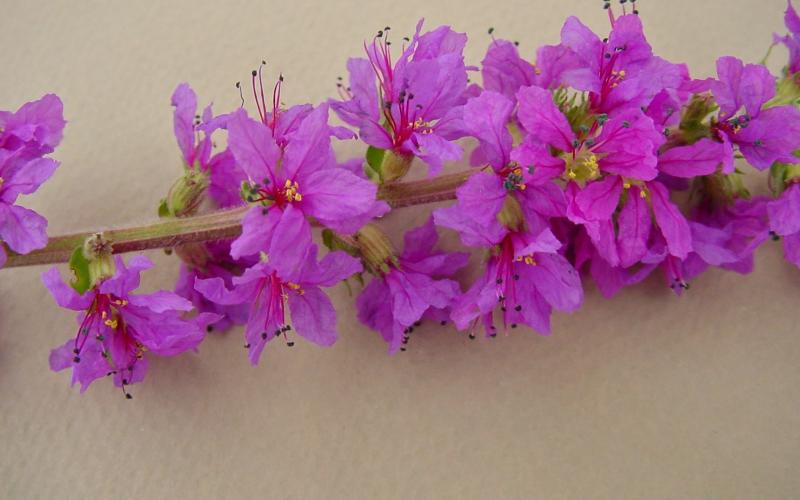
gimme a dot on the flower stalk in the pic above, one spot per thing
(220, 224)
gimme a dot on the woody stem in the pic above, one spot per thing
(219, 225)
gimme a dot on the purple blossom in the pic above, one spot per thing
(416, 286)
(621, 72)
(25, 136)
(36, 125)
(290, 183)
(784, 220)
(763, 135)
(194, 135)
(269, 290)
(792, 40)
(416, 106)
(117, 327)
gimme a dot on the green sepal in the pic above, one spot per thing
(333, 242)
(79, 264)
(777, 178)
(163, 209)
(372, 167)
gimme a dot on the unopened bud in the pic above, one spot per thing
(787, 91)
(186, 195)
(394, 166)
(511, 214)
(692, 124)
(375, 248)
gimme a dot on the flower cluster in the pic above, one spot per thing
(596, 160)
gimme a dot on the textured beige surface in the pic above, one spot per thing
(645, 396)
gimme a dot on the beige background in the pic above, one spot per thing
(645, 396)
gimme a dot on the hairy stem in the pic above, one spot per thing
(218, 225)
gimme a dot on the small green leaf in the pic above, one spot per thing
(327, 238)
(79, 265)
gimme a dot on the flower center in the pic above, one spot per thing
(514, 180)
(582, 166)
(291, 191)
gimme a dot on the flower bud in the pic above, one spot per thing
(787, 91)
(375, 248)
(187, 193)
(394, 166)
(511, 214)
(692, 127)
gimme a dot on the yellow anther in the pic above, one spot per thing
(298, 197)
(293, 286)
(621, 73)
(626, 185)
(2, 181)
(572, 174)
(287, 184)
(111, 322)
(643, 194)
(530, 260)
(103, 315)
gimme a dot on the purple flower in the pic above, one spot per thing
(415, 108)
(292, 183)
(412, 287)
(620, 72)
(211, 260)
(194, 135)
(25, 136)
(269, 290)
(525, 278)
(37, 125)
(763, 136)
(792, 40)
(784, 220)
(117, 327)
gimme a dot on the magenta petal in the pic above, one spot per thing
(127, 278)
(374, 305)
(161, 301)
(22, 229)
(542, 119)
(26, 178)
(701, 158)
(742, 85)
(599, 199)
(185, 102)
(784, 213)
(214, 290)
(253, 147)
(434, 150)
(634, 228)
(487, 117)
(257, 231)
(338, 198)
(504, 71)
(310, 147)
(64, 295)
(313, 316)
(290, 244)
(670, 221)
(333, 268)
(557, 281)
(791, 248)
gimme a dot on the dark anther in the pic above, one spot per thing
(503, 308)
(516, 277)
(472, 336)
(100, 338)
(264, 211)
(491, 30)
(128, 396)
(76, 350)
(516, 43)
(247, 346)
(626, 124)
(124, 381)
(405, 38)
(254, 72)
(403, 349)
(605, 40)
(493, 334)
(380, 33)
(238, 84)
(607, 55)
(209, 328)
(280, 77)
(264, 335)
(287, 327)
(499, 281)
(290, 343)
(76, 359)
(444, 322)
(518, 308)
(278, 332)
(513, 325)
(417, 323)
